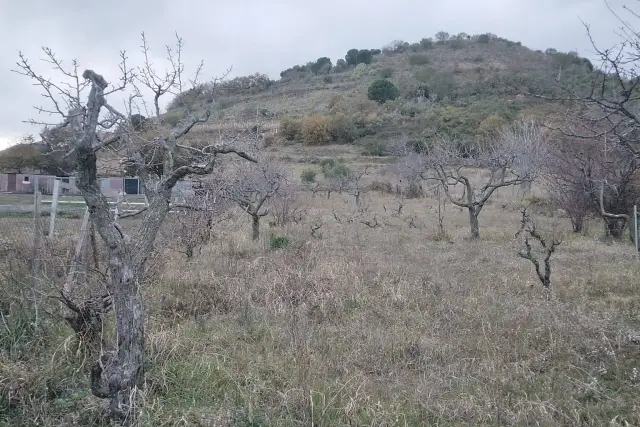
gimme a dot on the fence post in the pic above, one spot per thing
(37, 236)
(635, 227)
(54, 207)
(77, 255)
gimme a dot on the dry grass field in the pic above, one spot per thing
(354, 326)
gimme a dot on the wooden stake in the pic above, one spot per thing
(37, 237)
(54, 207)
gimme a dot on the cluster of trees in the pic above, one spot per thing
(323, 65)
(360, 56)
(565, 60)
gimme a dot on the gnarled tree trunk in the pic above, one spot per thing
(117, 376)
(473, 222)
(255, 227)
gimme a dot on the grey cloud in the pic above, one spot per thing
(265, 36)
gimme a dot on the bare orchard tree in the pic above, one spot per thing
(593, 176)
(287, 204)
(548, 246)
(82, 101)
(512, 159)
(251, 186)
(566, 182)
(191, 227)
(355, 185)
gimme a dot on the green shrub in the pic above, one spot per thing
(327, 163)
(351, 57)
(341, 65)
(308, 175)
(418, 59)
(386, 72)
(422, 91)
(327, 79)
(332, 168)
(340, 170)
(290, 128)
(483, 38)
(321, 66)
(382, 90)
(279, 242)
(342, 128)
(364, 56)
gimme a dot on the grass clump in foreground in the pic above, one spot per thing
(362, 327)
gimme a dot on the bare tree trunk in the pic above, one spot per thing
(255, 227)
(118, 376)
(473, 221)
(577, 224)
(615, 227)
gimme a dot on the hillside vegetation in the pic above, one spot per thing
(457, 87)
(452, 86)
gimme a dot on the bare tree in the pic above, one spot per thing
(251, 186)
(286, 204)
(511, 160)
(567, 184)
(191, 229)
(528, 226)
(82, 103)
(354, 183)
(590, 176)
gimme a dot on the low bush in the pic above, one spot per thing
(290, 128)
(315, 130)
(308, 176)
(279, 242)
(382, 90)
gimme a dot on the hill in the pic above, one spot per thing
(460, 87)
(457, 87)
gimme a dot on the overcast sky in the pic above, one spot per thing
(264, 36)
